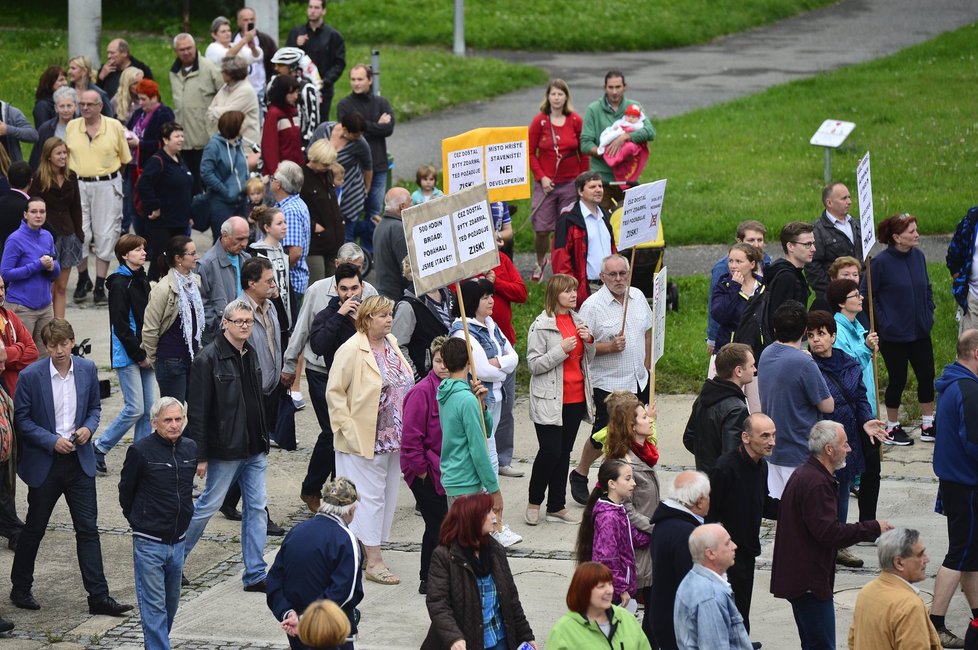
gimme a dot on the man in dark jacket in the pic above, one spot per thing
(325, 47)
(836, 233)
(718, 414)
(158, 506)
(738, 483)
(956, 465)
(959, 259)
(674, 521)
(227, 421)
(583, 236)
(320, 558)
(379, 116)
(809, 534)
(330, 329)
(785, 278)
(390, 245)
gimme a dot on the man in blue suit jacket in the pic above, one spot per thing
(57, 410)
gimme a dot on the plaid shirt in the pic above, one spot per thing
(492, 618)
(298, 234)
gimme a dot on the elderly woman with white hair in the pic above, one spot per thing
(320, 558)
(367, 384)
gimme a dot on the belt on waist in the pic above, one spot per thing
(92, 179)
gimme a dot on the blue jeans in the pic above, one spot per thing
(138, 393)
(250, 475)
(375, 195)
(362, 229)
(173, 375)
(504, 432)
(816, 622)
(158, 568)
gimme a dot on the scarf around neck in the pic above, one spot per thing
(191, 308)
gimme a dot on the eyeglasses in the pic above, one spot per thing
(615, 274)
(86, 104)
(854, 295)
(190, 254)
(806, 244)
(241, 322)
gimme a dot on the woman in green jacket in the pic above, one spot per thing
(593, 623)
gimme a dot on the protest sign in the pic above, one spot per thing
(864, 187)
(640, 214)
(498, 157)
(450, 238)
(659, 300)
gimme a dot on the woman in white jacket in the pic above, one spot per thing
(558, 350)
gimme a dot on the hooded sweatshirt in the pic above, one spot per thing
(716, 421)
(956, 451)
(573, 632)
(615, 540)
(465, 464)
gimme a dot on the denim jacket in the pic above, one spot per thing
(705, 615)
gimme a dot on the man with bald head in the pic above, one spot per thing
(705, 615)
(738, 483)
(220, 273)
(117, 59)
(390, 246)
(674, 521)
(97, 152)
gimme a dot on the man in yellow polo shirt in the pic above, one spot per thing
(97, 152)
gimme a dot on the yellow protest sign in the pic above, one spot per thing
(498, 157)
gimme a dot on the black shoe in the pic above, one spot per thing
(259, 586)
(100, 465)
(756, 645)
(12, 541)
(5, 626)
(423, 587)
(108, 607)
(578, 486)
(80, 293)
(231, 513)
(98, 296)
(928, 434)
(274, 529)
(184, 581)
(897, 436)
(23, 599)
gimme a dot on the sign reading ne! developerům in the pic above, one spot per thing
(864, 187)
(450, 238)
(498, 157)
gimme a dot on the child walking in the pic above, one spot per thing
(606, 535)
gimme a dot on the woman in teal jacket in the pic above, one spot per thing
(589, 601)
(224, 171)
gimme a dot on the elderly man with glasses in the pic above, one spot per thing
(220, 273)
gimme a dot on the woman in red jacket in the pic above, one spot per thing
(280, 137)
(555, 158)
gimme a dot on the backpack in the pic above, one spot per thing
(754, 328)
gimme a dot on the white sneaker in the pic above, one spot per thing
(510, 471)
(506, 537)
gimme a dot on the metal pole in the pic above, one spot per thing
(458, 47)
(375, 67)
(828, 165)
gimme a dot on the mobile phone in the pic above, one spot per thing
(73, 439)
(251, 27)
(358, 299)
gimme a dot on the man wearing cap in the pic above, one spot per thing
(320, 558)
(97, 151)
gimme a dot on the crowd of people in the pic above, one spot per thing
(209, 350)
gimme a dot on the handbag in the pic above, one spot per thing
(200, 212)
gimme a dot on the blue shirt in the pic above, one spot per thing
(236, 263)
(598, 241)
(297, 234)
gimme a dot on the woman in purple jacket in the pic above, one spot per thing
(421, 455)
(29, 268)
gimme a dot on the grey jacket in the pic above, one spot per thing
(218, 287)
(192, 95)
(639, 508)
(269, 360)
(546, 360)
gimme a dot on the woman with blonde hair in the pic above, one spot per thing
(319, 193)
(81, 77)
(365, 393)
(558, 350)
(324, 626)
(125, 101)
(58, 186)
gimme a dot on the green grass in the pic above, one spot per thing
(572, 25)
(750, 158)
(416, 80)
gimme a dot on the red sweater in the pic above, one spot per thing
(280, 138)
(20, 348)
(543, 158)
(509, 288)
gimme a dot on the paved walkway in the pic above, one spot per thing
(672, 82)
(215, 613)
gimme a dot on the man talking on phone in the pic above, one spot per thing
(57, 410)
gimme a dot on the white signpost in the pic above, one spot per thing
(831, 135)
(640, 214)
(864, 188)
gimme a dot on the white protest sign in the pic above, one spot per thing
(832, 133)
(659, 295)
(640, 214)
(450, 238)
(864, 187)
(464, 169)
(506, 164)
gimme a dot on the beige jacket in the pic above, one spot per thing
(161, 313)
(546, 360)
(192, 96)
(353, 395)
(641, 505)
(237, 96)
